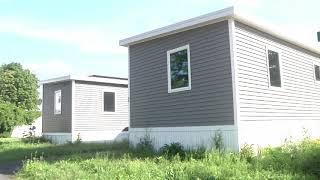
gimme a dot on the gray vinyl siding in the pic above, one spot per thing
(88, 109)
(299, 96)
(208, 103)
(54, 123)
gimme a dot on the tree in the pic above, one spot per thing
(19, 97)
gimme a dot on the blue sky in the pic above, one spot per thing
(56, 38)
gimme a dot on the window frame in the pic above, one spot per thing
(169, 52)
(277, 50)
(115, 101)
(314, 72)
(54, 102)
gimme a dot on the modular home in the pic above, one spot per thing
(222, 73)
(90, 109)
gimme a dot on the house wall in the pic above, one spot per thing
(90, 123)
(56, 123)
(269, 116)
(209, 103)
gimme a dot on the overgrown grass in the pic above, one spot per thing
(12, 149)
(117, 161)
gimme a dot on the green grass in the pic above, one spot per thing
(117, 161)
(12, 149)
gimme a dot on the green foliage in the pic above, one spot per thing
(30, 137)
(298, 157)
(247, 153)
(18, 97)
(174, 149)
(19, 86)
(78, 140)
(116, 161)
(145, 146)
(8, 114)
(218, 141)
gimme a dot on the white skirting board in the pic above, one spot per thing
(189, 137)
(58, 138)
(87, 136)
(100, 136)
(275, 133)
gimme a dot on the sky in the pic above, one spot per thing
(57, 38)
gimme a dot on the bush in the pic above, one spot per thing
(145, 146)
(247, 153)
(173, 149)
(9, 117)
(218, 141)
(12, 116)
(199, 153)
(296, 157)
(5, 135)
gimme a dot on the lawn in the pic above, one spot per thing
(118, 161)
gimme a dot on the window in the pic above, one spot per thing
(57, 102)
(274, 68)
(179, 72)
(109, 102)
(317, 72)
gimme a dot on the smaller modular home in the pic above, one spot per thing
(92, 108)
(222, 73)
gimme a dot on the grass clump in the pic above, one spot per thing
(172, 150)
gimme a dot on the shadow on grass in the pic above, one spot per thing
(51, 151)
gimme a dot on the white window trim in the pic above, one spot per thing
(54, 102)
(170, 90)
(272, 48)
(314, 72)
(115, 101)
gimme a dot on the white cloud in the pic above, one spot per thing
(50, 69)
(87, 39)
(244, 3)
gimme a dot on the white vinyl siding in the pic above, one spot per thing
(298, 99)
(271, 115)
(89, 112)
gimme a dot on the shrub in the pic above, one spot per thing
(199, 153)
(218, 141)
(78, 140)
(11, 116)
(173, 149)
(5, 135)
(296, 157)
(145, 145)
(247, 153)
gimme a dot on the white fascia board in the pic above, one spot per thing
(102, 80)
(85, 78)
(58, 79)
(212, 18)
(199, 21)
